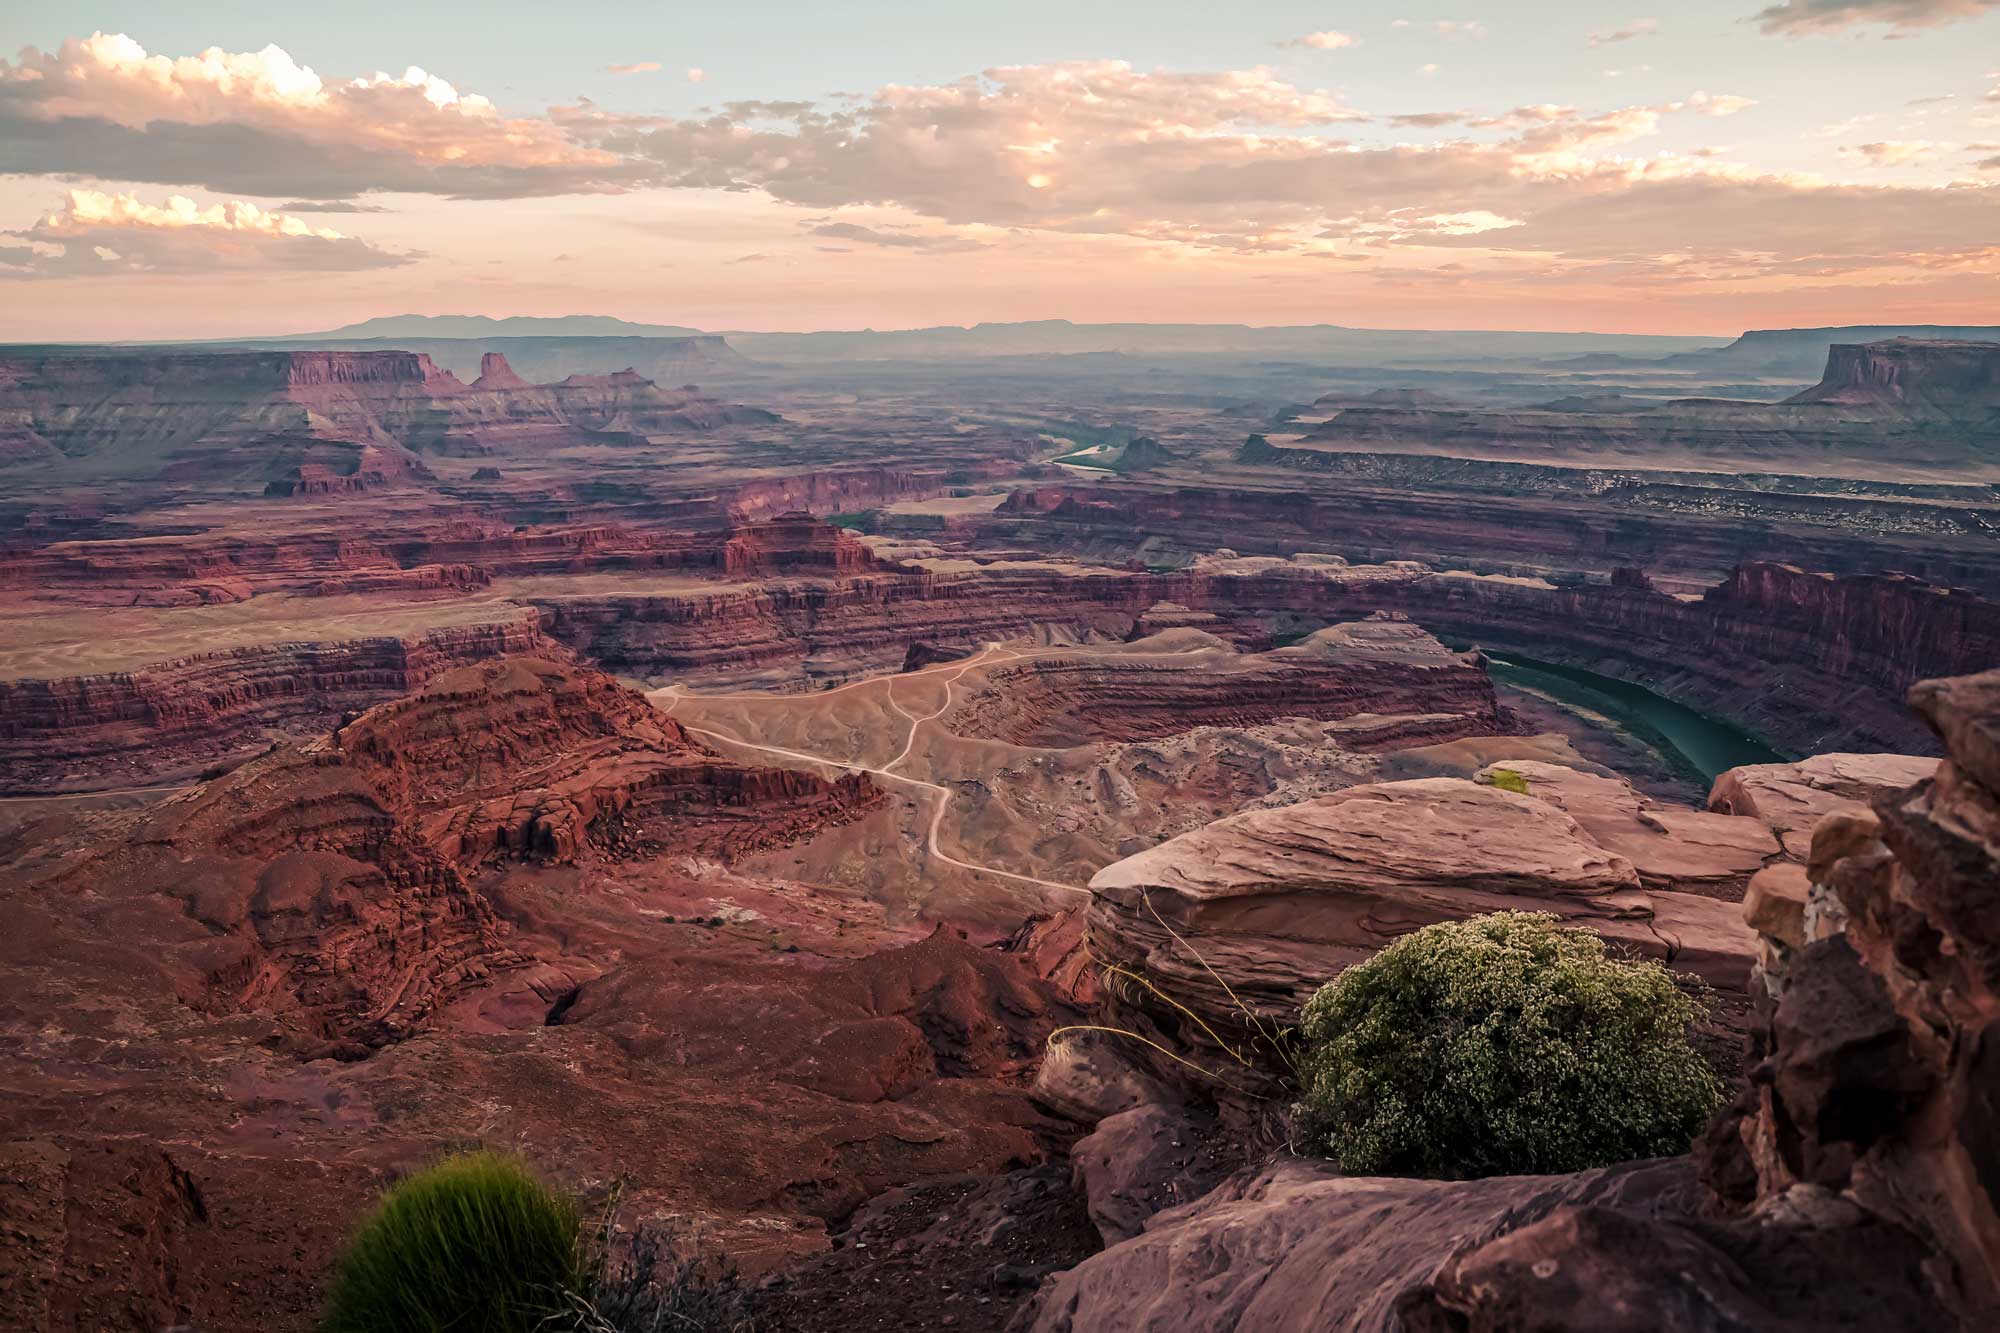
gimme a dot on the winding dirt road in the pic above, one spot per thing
(952, 671)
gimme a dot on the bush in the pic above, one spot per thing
(1503, 1044)
(1506, 779)
(475, 1242)
(663, 1282)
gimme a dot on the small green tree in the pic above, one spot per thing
(475, 1242)
(1498, 1045)
(1506, 779)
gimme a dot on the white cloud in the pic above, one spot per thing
(1328, 40)
(1636, 28)
(1892, 152)
(696, 74)
(895, 240)
(636, 67)
(261, 123)
(1719, 104)
(1798, 18)
(124, 234)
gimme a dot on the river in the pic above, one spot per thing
(1686, 739)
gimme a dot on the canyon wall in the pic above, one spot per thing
(1383, 510)
(178, 715)
(1806, 661)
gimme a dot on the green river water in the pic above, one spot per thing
(1690, 741)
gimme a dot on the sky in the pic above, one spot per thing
(215, 170)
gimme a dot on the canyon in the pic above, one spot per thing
(903, 791)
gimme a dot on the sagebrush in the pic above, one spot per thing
(1502, 1044)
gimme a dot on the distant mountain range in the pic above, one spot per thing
(564, 343)
(485, 326)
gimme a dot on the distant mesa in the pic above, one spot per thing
(1924, 402)
(1143, 454)
(1387, 398)
(1939, 377)
(311, 421)
(495, 373)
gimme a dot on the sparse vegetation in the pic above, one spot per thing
(662, 1282)
(1506, 779)
(1502, 1044)
(476, 1241)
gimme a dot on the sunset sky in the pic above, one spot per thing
(197, 170)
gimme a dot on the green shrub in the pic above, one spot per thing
(475, 1242)
(1506, 779)
(1503, 1044)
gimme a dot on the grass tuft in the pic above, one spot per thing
(477, 1241)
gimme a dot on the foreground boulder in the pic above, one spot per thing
(1792, 798)
(1241, 921)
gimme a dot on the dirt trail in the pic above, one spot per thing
(952, 671)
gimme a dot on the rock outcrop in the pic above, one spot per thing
(1937, 378)
(525, 756)
(174, 715)
(1292, 1247)
(1793, 798)
(1255, 912)
(1854, 1184)
(327, 882)
(1880, 1072)
(1184, 678)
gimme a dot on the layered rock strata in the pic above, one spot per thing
(193, 710)
(1181, 679)
(327, 882)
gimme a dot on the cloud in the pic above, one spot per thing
(1460, 28)
(1081, 146)
(1800, 18)
(1636, 28)
(1892, 152)
(1429, 120)
(1328, 40)
(260, 123)
(1240, 161)
(636, 67)
(327, 206)
(849, 231)
(696, 74)
(1719, 104)
(1235, 160)
(95, 234)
